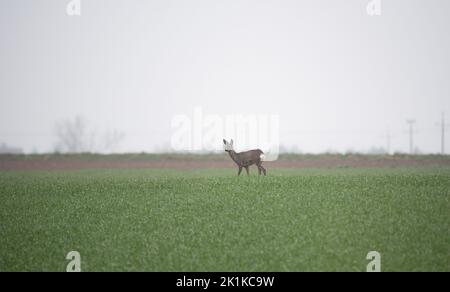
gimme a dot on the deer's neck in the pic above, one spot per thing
(233, 156)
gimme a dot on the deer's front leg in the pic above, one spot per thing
(239, 171)
(246, 169)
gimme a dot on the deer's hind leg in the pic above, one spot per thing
(258, 165)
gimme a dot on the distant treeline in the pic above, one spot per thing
(210, 156)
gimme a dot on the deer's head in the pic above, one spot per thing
(228, 146)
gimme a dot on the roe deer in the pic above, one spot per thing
(245, 159)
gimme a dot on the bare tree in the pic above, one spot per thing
(72, 136)
(6, 149)
(111, 139)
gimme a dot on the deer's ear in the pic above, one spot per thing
(224, 142)
(231, 142)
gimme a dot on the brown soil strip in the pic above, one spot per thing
(17, 165)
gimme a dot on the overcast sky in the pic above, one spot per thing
(337, 77)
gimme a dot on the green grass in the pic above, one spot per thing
(210, 220)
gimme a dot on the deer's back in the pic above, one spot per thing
(249, 157)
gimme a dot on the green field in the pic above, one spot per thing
(211, 220)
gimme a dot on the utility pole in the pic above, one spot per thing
(443, 134)
(388, 138)
(443, 129)
(388, 141)
(411, 133)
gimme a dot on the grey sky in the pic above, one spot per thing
(337, 77)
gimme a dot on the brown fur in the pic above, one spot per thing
(245, 159)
